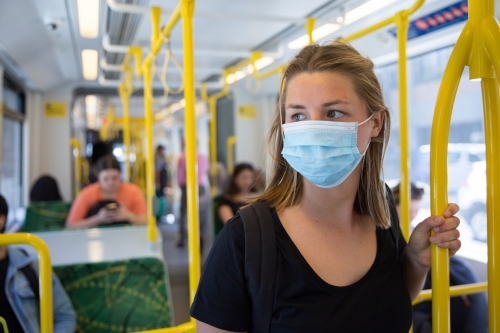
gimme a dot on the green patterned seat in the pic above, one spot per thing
(120, 296)
(46, 216)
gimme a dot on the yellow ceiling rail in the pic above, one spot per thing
(45, 274)
(75, 143)
(478, 47)
(463, 289)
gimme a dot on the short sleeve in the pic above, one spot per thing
(222, 300)
(138, 204)
(81, 205)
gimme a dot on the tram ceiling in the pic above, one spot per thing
(47, 44)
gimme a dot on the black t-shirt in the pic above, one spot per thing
(5, 308)
(378, 302)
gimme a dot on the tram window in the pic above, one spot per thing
(11, 173)
(13, 96)
(466, 137)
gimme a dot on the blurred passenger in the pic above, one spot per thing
(19, 290)
(161, 171)
(239, 190)
(109, 201)
(468, 313)
(340, 261)
(202, 161)
(416, 195)
(99, 149)
(45, 188)
(221, 178)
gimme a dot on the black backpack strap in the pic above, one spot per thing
(395, 226)
(261, 261)
(31, 276)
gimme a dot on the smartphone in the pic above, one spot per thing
(112, 206)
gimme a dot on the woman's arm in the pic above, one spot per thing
(201, 327)
(417, 259)
(102, 217)
(225, 213)
(123, 214)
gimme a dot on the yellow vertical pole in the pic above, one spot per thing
(148, 119)
(404, 200)
(311, 21)
(45, 275)
(231, 141)
(125, 91)
(78, 164)
(439, 179)
(491, 105)
(187, 12)
(212, 102)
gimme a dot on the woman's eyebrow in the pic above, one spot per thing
(338, 101)
(295, 106)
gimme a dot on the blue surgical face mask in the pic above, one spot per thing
(324, 152)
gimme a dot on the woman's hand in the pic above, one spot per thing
(104, 216)
(122, 214)
(446, 236)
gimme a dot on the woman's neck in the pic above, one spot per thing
(334, 205)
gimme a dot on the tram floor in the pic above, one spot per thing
(178, 266)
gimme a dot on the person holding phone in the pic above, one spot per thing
(109, 201)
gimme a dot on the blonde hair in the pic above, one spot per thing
(284, 188)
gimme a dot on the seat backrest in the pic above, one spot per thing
(120, 296)
(46, 216)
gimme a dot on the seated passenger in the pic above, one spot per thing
(19, 290)
(237, 192)
(109, 201)
(45, 188)
(468, 313)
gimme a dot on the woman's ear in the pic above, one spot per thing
(377, 120)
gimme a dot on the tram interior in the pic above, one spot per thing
(60, 83)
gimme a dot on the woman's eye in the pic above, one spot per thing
(298, 117)
(335, 114)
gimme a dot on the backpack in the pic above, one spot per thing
(261, 258)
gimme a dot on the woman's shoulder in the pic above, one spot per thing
(90, 190)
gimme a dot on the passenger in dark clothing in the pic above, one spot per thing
(237, 192)
(45, 188)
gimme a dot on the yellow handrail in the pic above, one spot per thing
(125, 90)
(479, 47)
(4, 325)
(184, 10)
(75, 143)
(212, 103)
(45, 274)
(464, 289)
(231, 141)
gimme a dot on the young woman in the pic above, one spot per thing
(338, 268)
(108, 201)
(238, 191)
